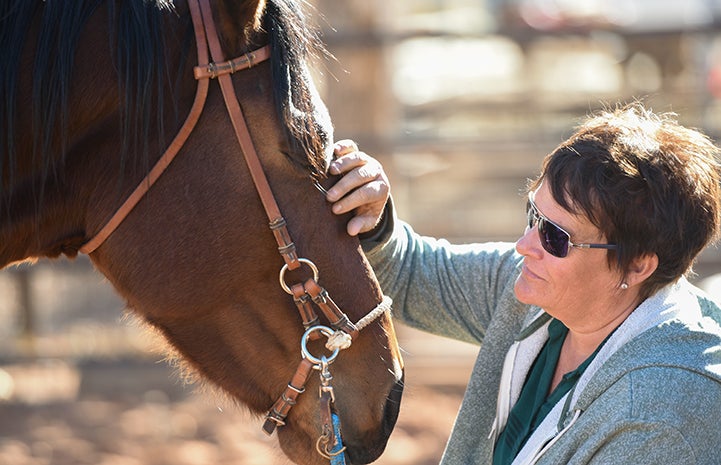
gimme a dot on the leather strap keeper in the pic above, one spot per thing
(305, 308)
(277, 414)
(336, 318)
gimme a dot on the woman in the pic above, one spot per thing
(594, 349)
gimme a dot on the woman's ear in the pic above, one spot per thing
(640, 269)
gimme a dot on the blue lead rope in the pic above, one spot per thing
(338, 459)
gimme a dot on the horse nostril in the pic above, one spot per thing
(363, 455)
(393, 405)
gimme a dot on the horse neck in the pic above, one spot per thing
(86, 166)
(40, 206)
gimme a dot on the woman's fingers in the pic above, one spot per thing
(344, 146)
(363, 187)
(358, 170)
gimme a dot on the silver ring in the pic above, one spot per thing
(281, 278)
(327, 332)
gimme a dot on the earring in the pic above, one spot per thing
(624, 286)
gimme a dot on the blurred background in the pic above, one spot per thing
(460, 100)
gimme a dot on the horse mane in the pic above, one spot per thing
(141, 62)
(295, 43)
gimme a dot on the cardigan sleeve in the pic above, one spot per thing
(452, 290)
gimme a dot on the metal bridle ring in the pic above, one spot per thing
(281, 278)
(304, 345)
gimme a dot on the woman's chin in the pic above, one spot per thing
(525, 291)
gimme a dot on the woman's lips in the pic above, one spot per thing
(529, 274)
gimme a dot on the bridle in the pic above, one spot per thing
(342, 331)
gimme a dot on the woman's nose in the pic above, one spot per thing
(528, 243)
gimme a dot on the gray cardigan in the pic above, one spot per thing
(653, 396)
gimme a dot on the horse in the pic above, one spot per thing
(95, 94)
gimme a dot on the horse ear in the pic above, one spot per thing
(238, 21)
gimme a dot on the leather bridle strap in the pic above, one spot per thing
(203, 74)
(276, 221)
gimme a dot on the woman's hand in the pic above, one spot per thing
(364, 187)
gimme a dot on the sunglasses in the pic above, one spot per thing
(554, 239)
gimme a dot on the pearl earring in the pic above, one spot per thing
(624, 286)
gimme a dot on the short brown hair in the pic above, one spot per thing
(649, 184)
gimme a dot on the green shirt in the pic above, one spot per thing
(534, 402)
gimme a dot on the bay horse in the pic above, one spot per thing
(93, 93)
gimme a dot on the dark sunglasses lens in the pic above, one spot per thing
(554, 240)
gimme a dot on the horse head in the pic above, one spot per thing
(194, 257)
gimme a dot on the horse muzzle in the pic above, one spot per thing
(371, 449)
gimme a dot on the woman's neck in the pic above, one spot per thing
(580, 344)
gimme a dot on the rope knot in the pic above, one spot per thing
(338, 340)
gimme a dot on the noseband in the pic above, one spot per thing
(342, 331)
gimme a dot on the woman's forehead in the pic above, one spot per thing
(575, 222)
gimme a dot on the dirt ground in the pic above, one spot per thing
(134, 413)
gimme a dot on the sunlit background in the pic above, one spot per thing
(460, 100)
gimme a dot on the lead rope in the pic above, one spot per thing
(329, 444)
(336, 458)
